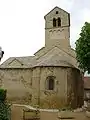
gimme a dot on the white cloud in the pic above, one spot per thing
(7, 7)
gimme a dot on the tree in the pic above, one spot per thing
(83, 48)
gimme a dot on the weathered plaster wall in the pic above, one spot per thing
(57, 36)
(60, 80)
(36, 85)
(75, 89)
(18, 83)
(51, 98)
(28, 86)
(68, 88)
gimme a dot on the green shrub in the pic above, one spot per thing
(5, 111)
(3, 94)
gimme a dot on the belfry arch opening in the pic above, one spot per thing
(59, 21)
(54, 22)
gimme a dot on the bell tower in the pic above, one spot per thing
(57, 28)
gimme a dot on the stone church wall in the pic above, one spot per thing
(75, 89)
(67, 80)
(62, 14)
(51, 98)
(28, 86)
(18, 83)
(36, 74)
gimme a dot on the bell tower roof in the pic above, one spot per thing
(57, 9)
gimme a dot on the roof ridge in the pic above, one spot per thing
(39, 50)
(54, 8)
(47, 51)
(17, 60)
(58, 48)
(66, 52)
(23, 56)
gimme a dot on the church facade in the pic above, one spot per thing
(51, 77)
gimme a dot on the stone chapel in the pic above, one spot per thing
(50, 78)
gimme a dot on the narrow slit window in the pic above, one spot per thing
(50, 83)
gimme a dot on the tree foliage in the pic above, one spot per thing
(3, 94)
(83, 48)
(4, 106)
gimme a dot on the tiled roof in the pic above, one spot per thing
(53, 57)
(26, 62)
(54, 60)
(56, 57)
(55, 8)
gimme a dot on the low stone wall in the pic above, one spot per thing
(47, 114)
(44, 115)
(68, 115)
(17, 112)
(31, 114)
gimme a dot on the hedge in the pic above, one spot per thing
(5, 111)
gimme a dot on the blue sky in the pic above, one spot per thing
(22, 23)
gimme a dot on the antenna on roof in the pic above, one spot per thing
(1, 53)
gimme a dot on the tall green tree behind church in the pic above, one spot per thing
(83, 48)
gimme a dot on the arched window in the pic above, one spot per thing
(59, 22)
(54, 22)
(50, 83)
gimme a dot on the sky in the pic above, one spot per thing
(22, 23)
